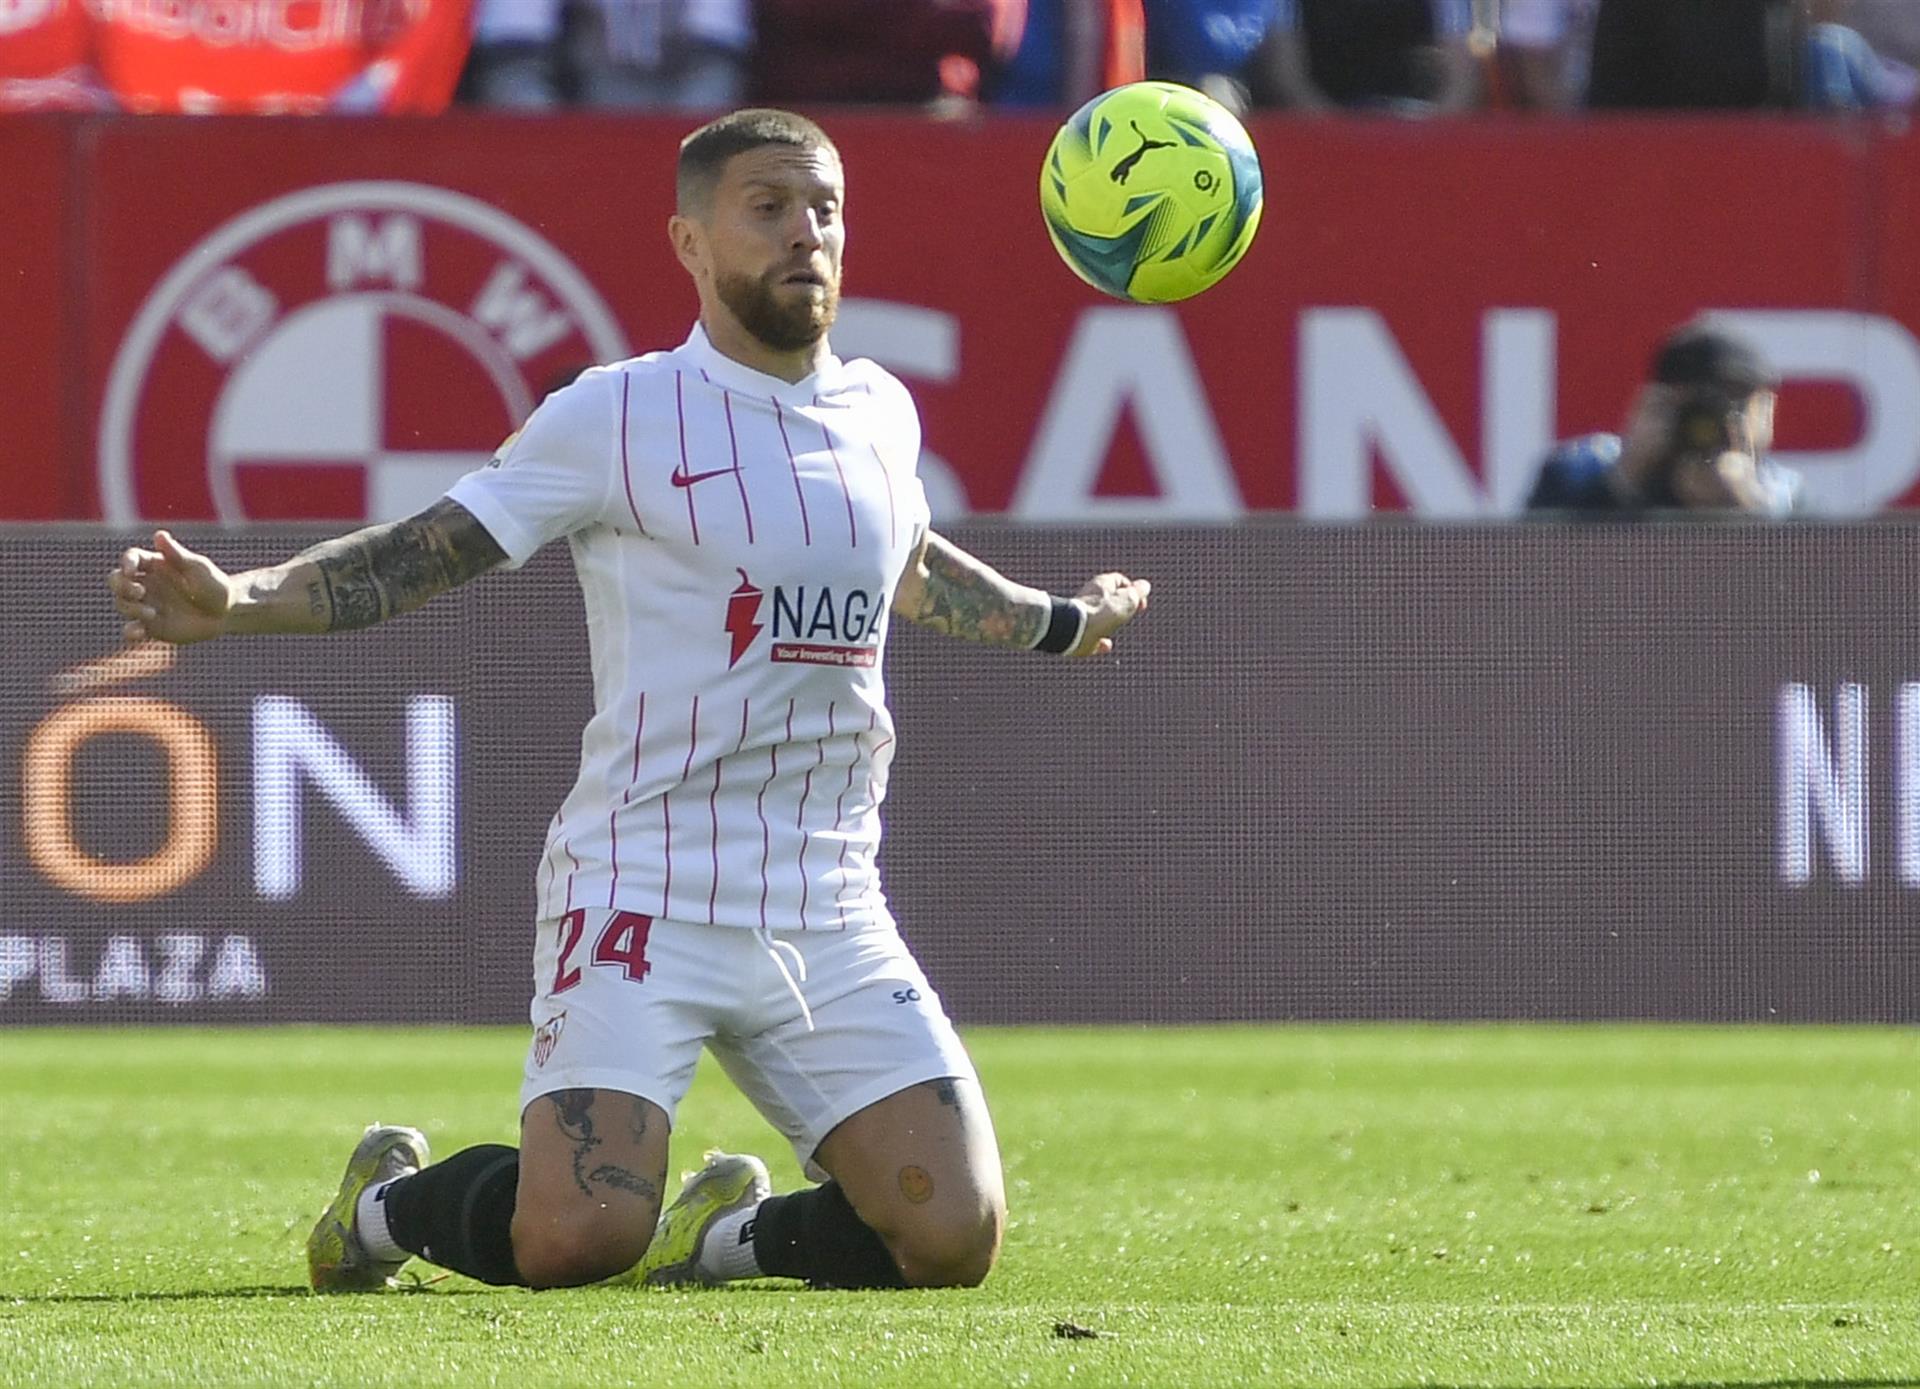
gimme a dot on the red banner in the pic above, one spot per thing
(43, 466)
(255, 319)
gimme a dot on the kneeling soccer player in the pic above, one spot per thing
(744, 513)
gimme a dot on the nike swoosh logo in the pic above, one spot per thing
(681, 478)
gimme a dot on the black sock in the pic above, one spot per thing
(459, 1213)
(815, 1235)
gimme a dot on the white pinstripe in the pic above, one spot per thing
(717, 813)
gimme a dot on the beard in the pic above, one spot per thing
(786, 325)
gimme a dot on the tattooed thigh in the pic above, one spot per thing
(604, 1137)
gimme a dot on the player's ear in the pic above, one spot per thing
(689, 243)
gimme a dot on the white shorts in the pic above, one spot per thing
(624, 1002)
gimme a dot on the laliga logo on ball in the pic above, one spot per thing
(1151, 192)
(343, 352)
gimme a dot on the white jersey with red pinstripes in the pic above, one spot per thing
(738, 539)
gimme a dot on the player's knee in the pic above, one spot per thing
(566, 1253)
(955, 1249)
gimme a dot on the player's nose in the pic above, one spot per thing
(807, 232)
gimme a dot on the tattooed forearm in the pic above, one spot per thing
(360, 579)
(383, 571)
(952, 592)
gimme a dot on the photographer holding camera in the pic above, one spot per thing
(1696, 439)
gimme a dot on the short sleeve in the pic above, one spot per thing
(906, 429)
(554, 476)
(900, 434)
(908, 415)
(919, 509)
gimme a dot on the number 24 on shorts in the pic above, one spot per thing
(622, 943)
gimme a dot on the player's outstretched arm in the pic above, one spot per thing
(951, 591)
(171, 593)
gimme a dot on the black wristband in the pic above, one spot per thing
(1065, 628)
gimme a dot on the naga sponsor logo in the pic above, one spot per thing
(813, 624)
(743, 617)
(344, 352)
(819, 625)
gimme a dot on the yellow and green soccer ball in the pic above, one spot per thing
(1151, 192)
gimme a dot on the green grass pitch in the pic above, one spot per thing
(1327, 1206)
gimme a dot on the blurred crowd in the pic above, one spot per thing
(1406, 57)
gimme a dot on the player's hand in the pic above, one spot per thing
(1111, 601)
(169, 593)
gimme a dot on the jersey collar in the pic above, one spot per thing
(723, 370)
